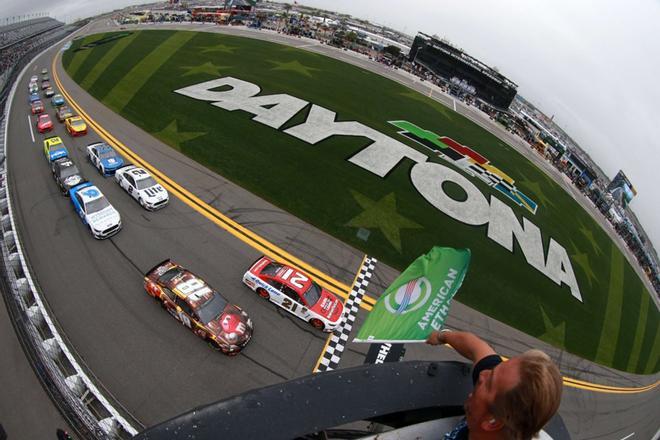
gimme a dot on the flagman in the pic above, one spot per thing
(511, 400)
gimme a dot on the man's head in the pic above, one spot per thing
(516, 398)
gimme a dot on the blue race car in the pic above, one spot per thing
(54, 148)
(95, 211)
(104, 158)
(34, 97)
(57, 100)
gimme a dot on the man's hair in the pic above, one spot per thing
(527, 407)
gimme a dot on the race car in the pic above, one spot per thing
(33, 88)
(144, 188)
(104, 158)
(45, 78)
(34, 97)
(76, 126)
(45, 84)
(44, 71)
(34, 78)
(57, 100)
(49, 92)
(199, 307)
(95, 211)
(44, 123)
(66, 174)
(295, 292)
(37, 107)
(54, 148)
(63, 113)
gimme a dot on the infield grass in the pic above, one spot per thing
(318, 184)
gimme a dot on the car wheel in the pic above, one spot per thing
(263, 293)
(317, 323)
(141, 202)
(102, 170)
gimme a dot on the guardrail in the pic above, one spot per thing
(68, 384)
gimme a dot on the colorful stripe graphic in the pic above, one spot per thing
(468, 160)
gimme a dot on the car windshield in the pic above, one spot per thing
(313, 294)
(271, 269)
(96, 205)
(146, 183)
(212, 308)
(105, 154)
(69, 171)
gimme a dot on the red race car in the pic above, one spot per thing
(44, 123)
(37, 107)
(295, 292)
(199, 307)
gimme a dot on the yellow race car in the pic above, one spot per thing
(54, 148)
(76, 126)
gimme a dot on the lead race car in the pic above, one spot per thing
(295, 292)
(199, 307)
(142, 187)
(95, 211)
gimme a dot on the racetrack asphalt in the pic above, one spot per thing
(148, 361)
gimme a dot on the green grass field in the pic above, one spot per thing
(616, 324)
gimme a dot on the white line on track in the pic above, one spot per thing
(454, 101)
(30, 125)
(628, 436)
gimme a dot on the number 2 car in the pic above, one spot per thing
(142, 187)
(95, 211)
(295, 292)
(199, 307)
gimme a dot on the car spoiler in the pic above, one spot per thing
(50, 137)
(95, 143)
(81, 185)
(258, 260)
(162, 263)
(126, 167)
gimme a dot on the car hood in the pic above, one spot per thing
(233, 325)
(112, 162)
(152, 194)
(328, 306)
(104, 219)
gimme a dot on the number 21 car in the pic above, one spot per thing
(199, 307)
(295, 292)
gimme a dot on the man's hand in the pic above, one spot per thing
(437, 337)
(466, 344)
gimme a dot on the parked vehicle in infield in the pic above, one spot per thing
(57, 100)
(49, 92)
(45, 84)
(295, 292)
(198, 306)
(54, 148)
(104, 158)
(34, 97)
(66, 174)
(76, 126)
(102, 219)
(37, 107)
(44, 123)
(63, 113)
(142, 187)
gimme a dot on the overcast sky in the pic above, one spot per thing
(595, 65)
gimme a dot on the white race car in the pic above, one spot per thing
(142, 186)
(95, 211)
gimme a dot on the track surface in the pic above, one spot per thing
(149, 362)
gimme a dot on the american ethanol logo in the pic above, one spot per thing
(409, 297)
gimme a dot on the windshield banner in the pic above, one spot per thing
(417, 302)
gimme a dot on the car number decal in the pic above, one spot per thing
(298, 279)
(292, 306)
(184, 319)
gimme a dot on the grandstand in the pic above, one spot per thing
(16, 32)
(455, 66)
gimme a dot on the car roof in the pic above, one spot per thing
(283, 270)
(90, 193)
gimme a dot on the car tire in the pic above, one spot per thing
(263, 293)
(317, 323)
(102, 170)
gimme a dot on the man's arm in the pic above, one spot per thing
(466, 344)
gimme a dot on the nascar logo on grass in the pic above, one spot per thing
(383, 155)
(417, 302)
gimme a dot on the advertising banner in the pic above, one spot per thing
(417, 302)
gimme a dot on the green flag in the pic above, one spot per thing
(417, 302)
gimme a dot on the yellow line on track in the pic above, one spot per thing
(271, 250)
(250, 238)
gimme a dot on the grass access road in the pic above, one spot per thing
(136, 73)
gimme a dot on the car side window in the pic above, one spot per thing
(184, 306)
(169, 293)
(130, 180)
(275, 284)
(82, 205)
(288, 291)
